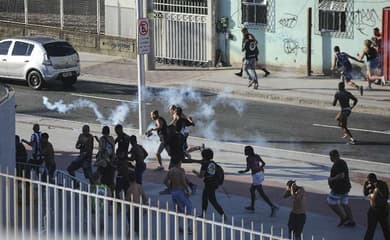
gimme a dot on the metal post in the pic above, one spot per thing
(25, 11)
(150, 58)
(309, 24)
(141, 76)
(97, 17)
(62, 14)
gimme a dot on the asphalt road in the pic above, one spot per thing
(225, 119)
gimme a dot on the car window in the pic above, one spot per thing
(22, 49)
(59, 49)
(4, 46)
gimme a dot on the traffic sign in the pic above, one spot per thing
(143, 36)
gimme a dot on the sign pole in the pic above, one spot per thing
(141, 74)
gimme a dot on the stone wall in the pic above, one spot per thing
(82, 41)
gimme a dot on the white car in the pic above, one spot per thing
(39, 60)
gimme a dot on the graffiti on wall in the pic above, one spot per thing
(365, 20)
(289, 20)
(291, 46)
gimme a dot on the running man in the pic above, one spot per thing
(341, 61)
(344, 97)
(251, 52)
(297, 217)
(340, 186)
(253, 162)
(161, 129)
(245, 36)
(180, 191)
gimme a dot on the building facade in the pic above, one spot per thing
(281, 27)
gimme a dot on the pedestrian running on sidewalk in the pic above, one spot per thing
(213, 176)
(122, 160)
(161, 129)
(378, 193)
(35, 144)
(373, 63)
(105, 159)
(341, 61)
(340, 186)
(47, 151)
(344, 97)
(245, 36)
(255, 164)
(251, 52)
(297, 218)
(180, 191)
(138, 154)
(84, 160)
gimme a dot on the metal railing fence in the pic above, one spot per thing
(40, 210)
(77, 15)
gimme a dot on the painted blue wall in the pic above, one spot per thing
(283, 42)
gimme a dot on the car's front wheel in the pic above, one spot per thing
(35, 80)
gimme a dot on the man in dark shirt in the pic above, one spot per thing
(378, 193)
(21, 157)
(138, 154)
(122, 178)
(207, 172)
(251, 51)
(341, 61)
(245, 36)
(47, 151)
(85, 145)
(343, 97)
(161, 129)
(340, 185)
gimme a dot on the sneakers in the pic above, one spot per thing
(239, 74)
(250, 208)
(159, 168)
(274, 209)
(378, 82)
(361, 90)
(342, 222)
(351, 141)
(383, 81)
(250, 83)
(266, 74)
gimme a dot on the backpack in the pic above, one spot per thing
(216, 173)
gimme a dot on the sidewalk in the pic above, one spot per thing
(310, 171)
(281, 87)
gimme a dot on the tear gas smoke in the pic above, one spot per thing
(117, 116)
(204, 114)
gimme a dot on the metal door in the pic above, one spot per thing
(184, 31)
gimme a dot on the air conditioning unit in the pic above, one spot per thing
(255, 2)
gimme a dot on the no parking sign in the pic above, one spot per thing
(143, 36)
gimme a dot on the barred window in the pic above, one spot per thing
(332, 15)
(254, 12)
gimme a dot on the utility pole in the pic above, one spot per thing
(143, 42)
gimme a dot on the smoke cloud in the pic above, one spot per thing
(203, 109)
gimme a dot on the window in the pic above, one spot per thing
(59, 49)
(254, 11)
(332, 15)
(22, 49)
(4, 46)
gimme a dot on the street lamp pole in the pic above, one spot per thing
(141, 76)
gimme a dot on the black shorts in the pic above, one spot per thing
(342, 117)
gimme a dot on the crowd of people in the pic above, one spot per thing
(120, 164)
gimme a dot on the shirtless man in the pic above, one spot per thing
(176, 182)
(344, 97)
(161, 129)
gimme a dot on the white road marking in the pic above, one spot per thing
(354, 129)
(105, 98)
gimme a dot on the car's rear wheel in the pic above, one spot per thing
(35, 80)
(68, 82)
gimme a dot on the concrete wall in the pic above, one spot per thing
(7, 128)
(82, 41)
(283, 42)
